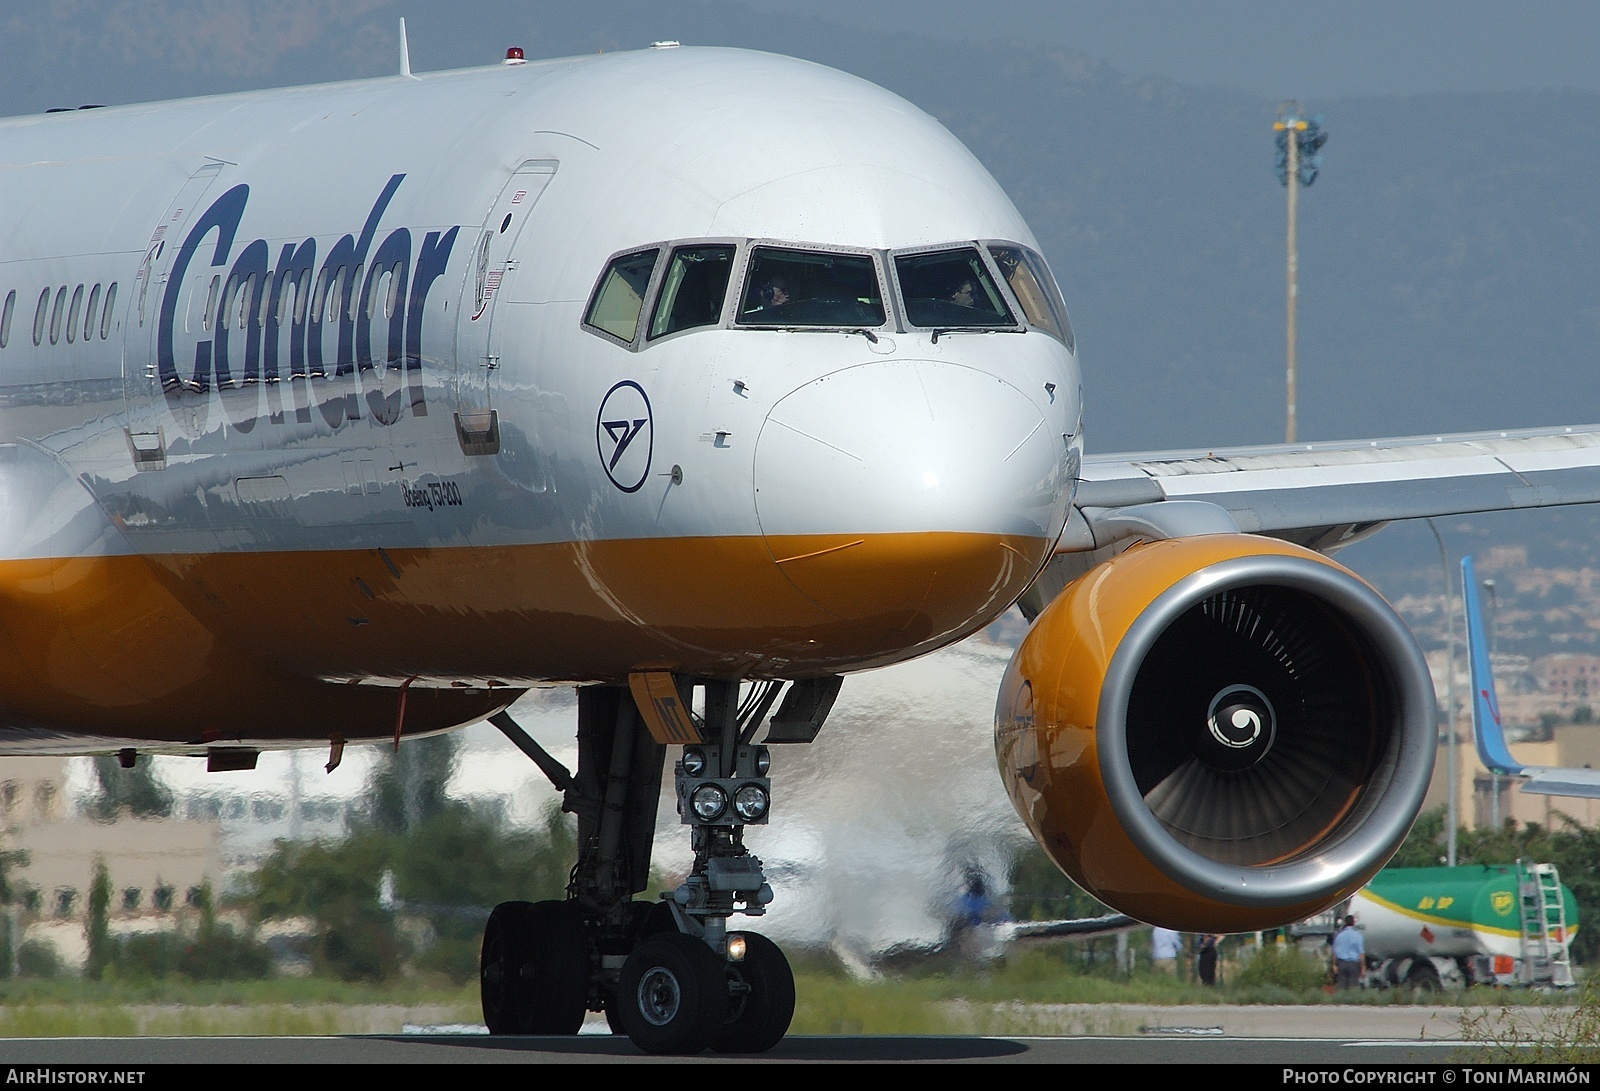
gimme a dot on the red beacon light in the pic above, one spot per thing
(514, 56)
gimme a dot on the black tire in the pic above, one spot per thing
(761, 1004)
(500, 967)
(672, 996)
(535, 968)
(1423, 977)
(645, 920)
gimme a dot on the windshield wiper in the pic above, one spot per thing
(973, 329)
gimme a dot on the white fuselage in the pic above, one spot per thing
(344, 420)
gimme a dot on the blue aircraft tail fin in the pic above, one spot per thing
(1487, 733)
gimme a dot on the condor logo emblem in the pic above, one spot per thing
(623, 435)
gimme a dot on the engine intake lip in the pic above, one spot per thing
(1377, 821)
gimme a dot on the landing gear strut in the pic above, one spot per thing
(669, 974)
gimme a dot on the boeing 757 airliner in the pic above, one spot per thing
(697, 379)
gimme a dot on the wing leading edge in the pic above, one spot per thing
(1327, 494)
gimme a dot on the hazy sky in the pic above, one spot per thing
(1282, 49)
(1287, 49)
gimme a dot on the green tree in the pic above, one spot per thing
(1040, 891)
(335, 884)
(412, 784)
(9, 896)
(1424, 845)
(136, 791)
(462, 861)
(98, 927)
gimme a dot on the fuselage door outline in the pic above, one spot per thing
(141, 384)
(492, 265)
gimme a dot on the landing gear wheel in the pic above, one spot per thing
(505, 942)
(645, 920)
(535, 968)
(762, 1002)
(672, 996)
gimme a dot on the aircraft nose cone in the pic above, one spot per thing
(915, 485)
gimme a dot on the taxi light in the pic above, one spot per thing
(694, 760)
(736, 948)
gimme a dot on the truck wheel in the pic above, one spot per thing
(1422, 977)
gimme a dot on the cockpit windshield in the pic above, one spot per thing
(981, 285)
(692, 292)
(950, 289)
(1035, 290)
(810, 288)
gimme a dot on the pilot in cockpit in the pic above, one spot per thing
(774, 292)
(966, 293)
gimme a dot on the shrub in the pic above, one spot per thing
(1286, 968)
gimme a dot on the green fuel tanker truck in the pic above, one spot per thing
(1483, 924)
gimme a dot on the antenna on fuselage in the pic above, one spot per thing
(405, 51)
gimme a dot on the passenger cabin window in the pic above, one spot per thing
(810, 288)
(72, 314)
(40, 315)
(693, 289)
(105, 315)
(55, 315)
(1035, 290)
(950, 289)
(211, 302)
(620, 297)
(90, 312)
(319, 299)
(5, 318)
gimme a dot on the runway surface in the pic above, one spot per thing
(462, 1049)
(1115, 1033)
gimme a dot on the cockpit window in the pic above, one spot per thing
(693, 289)
(620, 297)
(950, 288)
(1035, 290)
(810, 288)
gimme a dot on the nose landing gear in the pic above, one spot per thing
(672, 996)
(669, 974)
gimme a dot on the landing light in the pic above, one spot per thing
(736, 947)
(751, 802)
(709, 801)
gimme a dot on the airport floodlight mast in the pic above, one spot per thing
(1300, 140)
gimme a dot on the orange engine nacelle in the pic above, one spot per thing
(1218, 734)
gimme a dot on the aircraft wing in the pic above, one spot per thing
(1324, 495)
(1584, 783)
(1078, 928)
